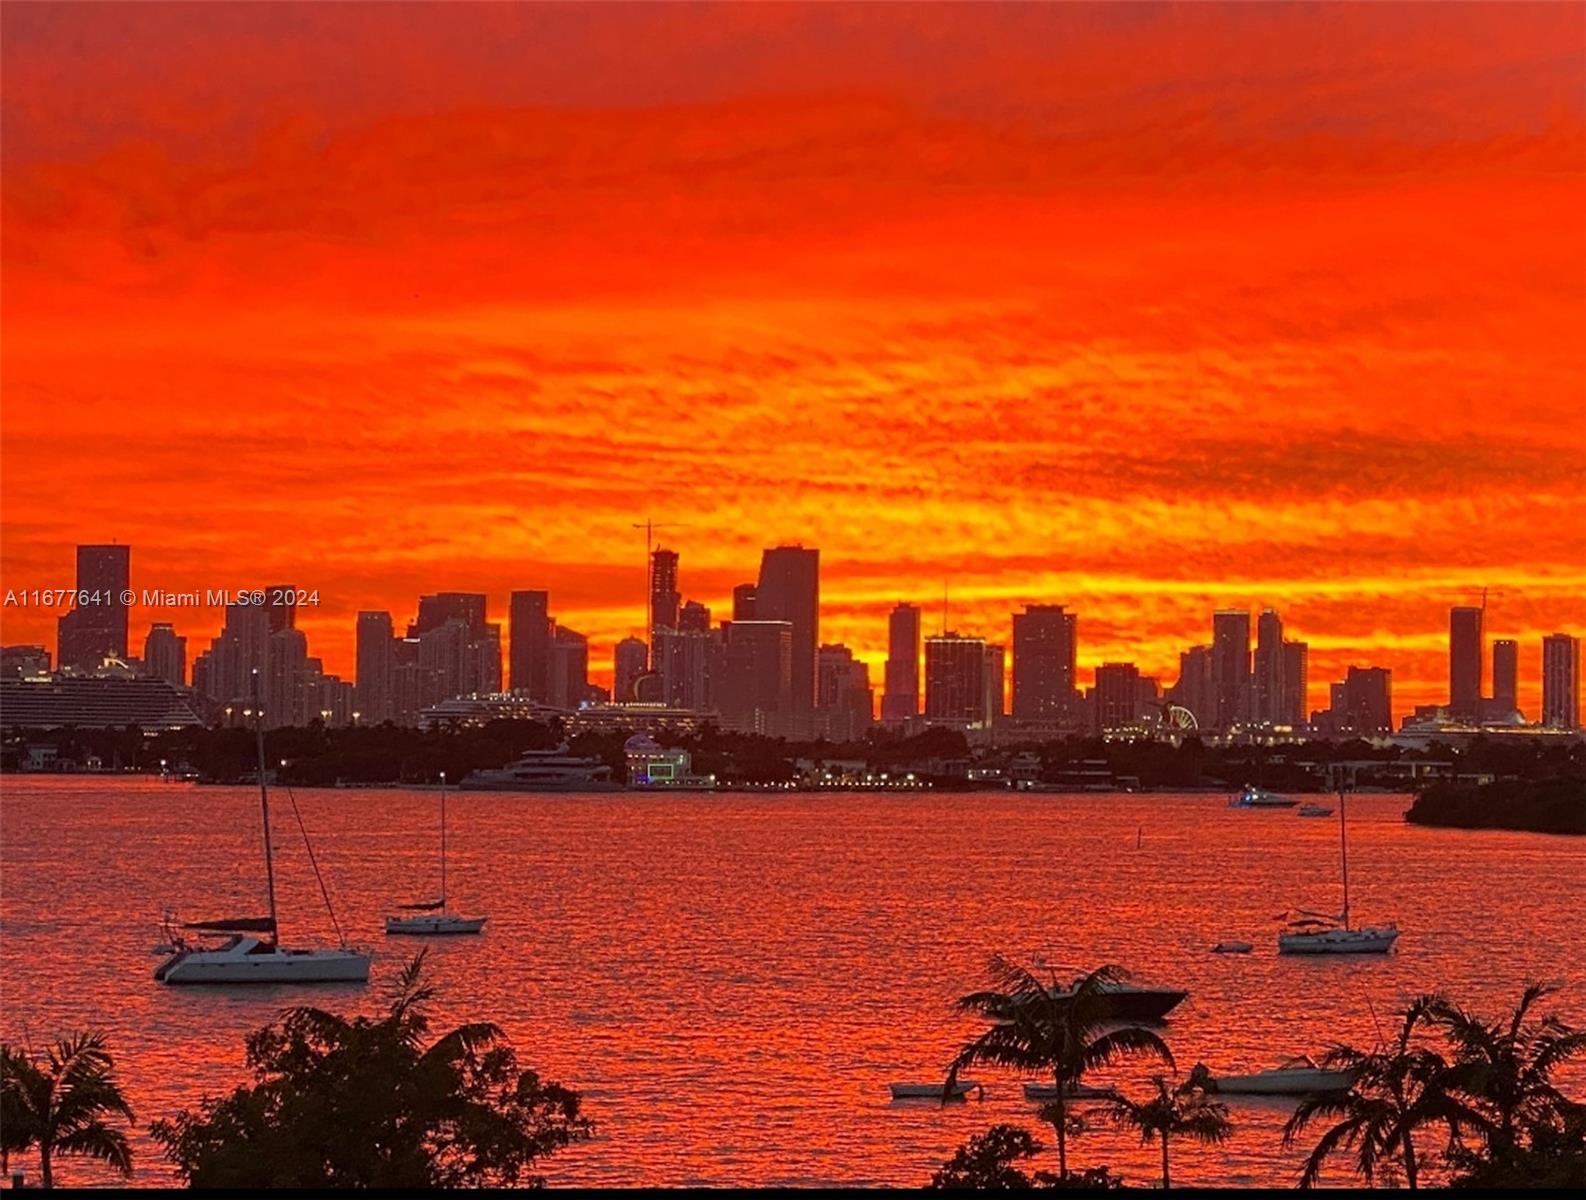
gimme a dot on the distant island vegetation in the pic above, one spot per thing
(1555, 805)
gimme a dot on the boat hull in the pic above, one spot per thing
(199, 967)
(1285, 1083)
(1339, 941)
(1047, 1092)
(442, 926)
(932, 1091)
(532, 787)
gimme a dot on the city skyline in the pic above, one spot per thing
(1142, 311)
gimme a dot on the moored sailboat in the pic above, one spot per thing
(1315, 933)
(429, 917)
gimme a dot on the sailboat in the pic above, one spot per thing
(251, 950)
(429, 917)
(1315, 933)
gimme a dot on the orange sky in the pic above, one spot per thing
(1141, 310)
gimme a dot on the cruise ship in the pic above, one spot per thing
(544, 771)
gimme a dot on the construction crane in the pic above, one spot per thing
(649, 528)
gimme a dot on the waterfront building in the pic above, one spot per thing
(165, 654)
(93, 631)
(955, 680)
(529, 633)
(789, 590)
(900, 698)
(1045, 657)
(686, 661)
(1464, 662)
(652, 766)
(1561, 681)
(755, 693)
(1230, 667)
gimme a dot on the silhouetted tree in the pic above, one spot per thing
(1182, 1111)
(62, 1103)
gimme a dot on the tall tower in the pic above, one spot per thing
(901, 699)
(789, 590)
(1464, 662)
(529, 644)
(1561, 681)
(1505, 676)
(97, 626)
(1267, 705)
(374, 691)
(664, 597)
(1230, 666)
(1045, 655)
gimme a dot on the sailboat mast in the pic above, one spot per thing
(264, 808)
(443, 841)
(1343, 850)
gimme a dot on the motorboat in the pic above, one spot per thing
(1299, 1076)
(1232, 948)
(1254, 797)
(249, 949)
(958, 1090)
(1124, 1001)
(556, 770)
(1316, 810)
(1047, 1092)
(1317, 933)
(429, 918)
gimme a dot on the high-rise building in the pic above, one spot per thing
(1230, 667)
(955, 679)
(1045, 655)
(1118, 696)
(664, 597)
(1464, 662)
(844, 699)
(287, 676)
(1561, 681)
(1267, 692)
(743, 602)
(630, 661)
(569, 668)
(996, 684)
(1363, 703)
(436, 610)
(1505, 677)
(789, 590)
(1193, 690)
(529, 634)
(694, 617)
(280, 603)
(24, 662)
(96, 628)
(900, 699)
(684, 659)
(165, 654)
(226, 671)
(375, 700)
(755, 691)
(1296, 682)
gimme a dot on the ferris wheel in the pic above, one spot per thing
(1179, 719)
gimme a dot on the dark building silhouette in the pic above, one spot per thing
(1230, 667)
(1464, 662)
(436, 610)
(743, 602)
(96, 628)
(955, 680)
(1194, 687)
(789, 590)
(1045, 656)
(694, 617)
(755, 691)
(280, 606)
(844, 699)
(1363, 703)
(569, 668)
(165, 654)
(629, 661)
(664, 597)
(1296, 683)
(996, 683)
(1505, 677)
(374, 695)
(1266, 678)
(1118, 696)
(900, 697)
(529, 644)
(1561, 681)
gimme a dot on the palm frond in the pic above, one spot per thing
(100, 1142)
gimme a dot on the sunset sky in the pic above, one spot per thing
(1141, 310)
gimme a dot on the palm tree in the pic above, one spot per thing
(1396, 1090)
(1506, 1067)
(1185, 1110)
(1037, 1026)
(61, 1103)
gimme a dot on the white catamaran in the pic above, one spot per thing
(429, 917)
(1315, 933)
(250, 950)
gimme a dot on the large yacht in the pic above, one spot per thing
(544, 771)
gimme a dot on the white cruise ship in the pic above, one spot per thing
(544, 771)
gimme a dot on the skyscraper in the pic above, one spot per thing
(1230, 666)
(630, 661)
(901, 698)
(165, 654)
(755, 691)
(280, 605)
(996, 683)
(1118, 695)
(374, 696)
(1267, 692)
(684, 659)
(1045, 652)
(569, 668)
(1296, 683)
(743, 602)
(97, 626)
(1363, 703)
(529, 644)
(1561, 681)
(1194, 687)
(664, 597)
(844, 698)
(789, 590)
(1464, 662)
(694, 617)
(955, 679)
(1505, 677)
(436, 610)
